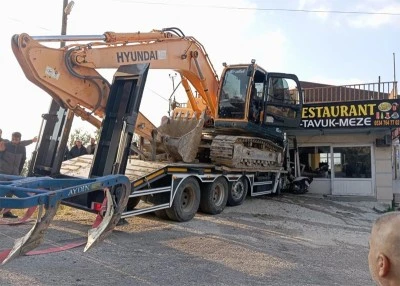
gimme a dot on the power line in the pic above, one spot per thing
(25, 23)
(266, 9)
(159, 95)
(329, 11)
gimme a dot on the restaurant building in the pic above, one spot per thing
(348, 140)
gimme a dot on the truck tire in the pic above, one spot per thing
(237, 192)
(214, 196)
(186, 201)
(132, 203)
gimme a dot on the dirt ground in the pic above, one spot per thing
(285, 240)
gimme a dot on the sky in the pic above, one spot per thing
(333, 48)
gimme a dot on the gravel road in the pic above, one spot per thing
(285, 240)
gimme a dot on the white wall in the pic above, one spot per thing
(381, 161)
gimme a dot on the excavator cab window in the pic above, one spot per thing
(283, 100)
(232, 100)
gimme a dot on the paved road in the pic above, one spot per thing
(286, 240)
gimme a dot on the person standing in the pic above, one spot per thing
(23, 142)
(384, 250)
(92, 146)
(77, 150)
(66, 154)
(13, 154)
(12, 158)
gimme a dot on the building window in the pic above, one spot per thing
(352, 162)
(315, 161)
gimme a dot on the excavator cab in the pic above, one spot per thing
(252, 99)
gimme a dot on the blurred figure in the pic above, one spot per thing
(12, 159)
(77, 150)
(66, 154)
(384, 250)
(13, 154)
(92, 146)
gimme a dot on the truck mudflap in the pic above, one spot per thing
(47, 193)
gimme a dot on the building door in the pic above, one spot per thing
(352, 170)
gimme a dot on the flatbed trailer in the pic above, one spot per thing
(157, 184)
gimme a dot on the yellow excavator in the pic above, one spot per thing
(244, 110)
(227, 141)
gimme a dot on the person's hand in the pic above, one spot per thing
(34, 139)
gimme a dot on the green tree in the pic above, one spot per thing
(97, 134)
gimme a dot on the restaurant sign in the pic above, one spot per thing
(351, 114)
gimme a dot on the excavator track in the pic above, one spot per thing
(246, 152)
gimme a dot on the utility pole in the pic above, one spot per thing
(172, 77)
(69, 115)
(67, 8)
(55, 128)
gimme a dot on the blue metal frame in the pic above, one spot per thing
(34, 191)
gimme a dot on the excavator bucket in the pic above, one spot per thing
(47, 194)
(181, 137)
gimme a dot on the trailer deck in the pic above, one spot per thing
(150, 178)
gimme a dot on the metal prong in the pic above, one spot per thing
(95, 233)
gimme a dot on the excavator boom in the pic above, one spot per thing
(70, 74)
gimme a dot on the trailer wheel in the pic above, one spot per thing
(186, 201)
(132, 203)
(214, 196)
(237, 192)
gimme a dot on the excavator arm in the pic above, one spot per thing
(70, 74)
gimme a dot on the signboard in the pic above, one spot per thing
(351, 114)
